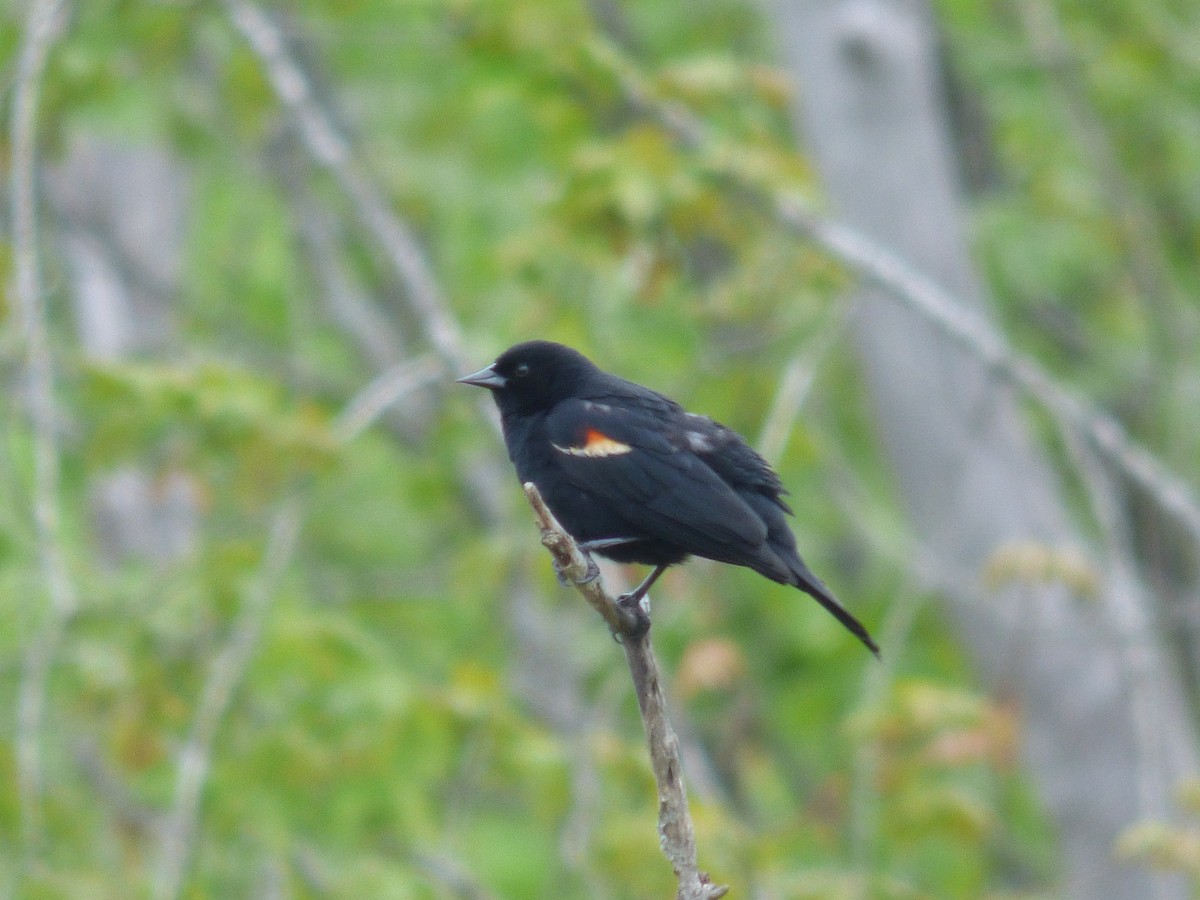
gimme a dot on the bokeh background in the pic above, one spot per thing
(274, 621)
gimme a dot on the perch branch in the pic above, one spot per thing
(577, 569)
(675, 832)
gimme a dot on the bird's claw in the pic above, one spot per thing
(639, 608)
(592, 573)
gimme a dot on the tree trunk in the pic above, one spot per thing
(121, 214)
(1107, 735)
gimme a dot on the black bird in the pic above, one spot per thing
(634, 477)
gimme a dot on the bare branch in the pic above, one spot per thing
(576, 568)
(43, 24)
(127, 809)
(385, 389)
(796, 383)
(331, 150)
(228, 670)
(676, 834)
(886, 270)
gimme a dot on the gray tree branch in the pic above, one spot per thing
(332, 151)
(879, 266)
(44, 22)
(676, 835)
(226, 674)
(384, 390)
(179, 825)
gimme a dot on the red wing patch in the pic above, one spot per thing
(595, 443)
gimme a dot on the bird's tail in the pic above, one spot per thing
(780, 561)
(804, 579)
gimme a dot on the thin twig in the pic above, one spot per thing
(380, 393)
(886, 270)
(902, 281)
(331, 150)
(796, 383)
(1128, 617)
(675, 832)
(42, 27)
(228, 670)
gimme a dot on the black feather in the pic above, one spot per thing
(630, 472)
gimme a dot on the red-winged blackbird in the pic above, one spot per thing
(632, 476)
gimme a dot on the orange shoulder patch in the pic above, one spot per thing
(596, 443)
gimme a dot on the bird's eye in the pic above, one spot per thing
(521, 371)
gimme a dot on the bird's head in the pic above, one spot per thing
(534, 376)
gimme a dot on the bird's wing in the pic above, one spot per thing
(736, 462)
(644, 467)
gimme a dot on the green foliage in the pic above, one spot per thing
(1092, 248)
(385, 741)
(200, 415)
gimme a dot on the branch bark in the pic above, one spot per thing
(676, 835)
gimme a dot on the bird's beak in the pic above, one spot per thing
(486, 378)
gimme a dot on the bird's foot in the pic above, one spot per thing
(637, 604)
(593, 572)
